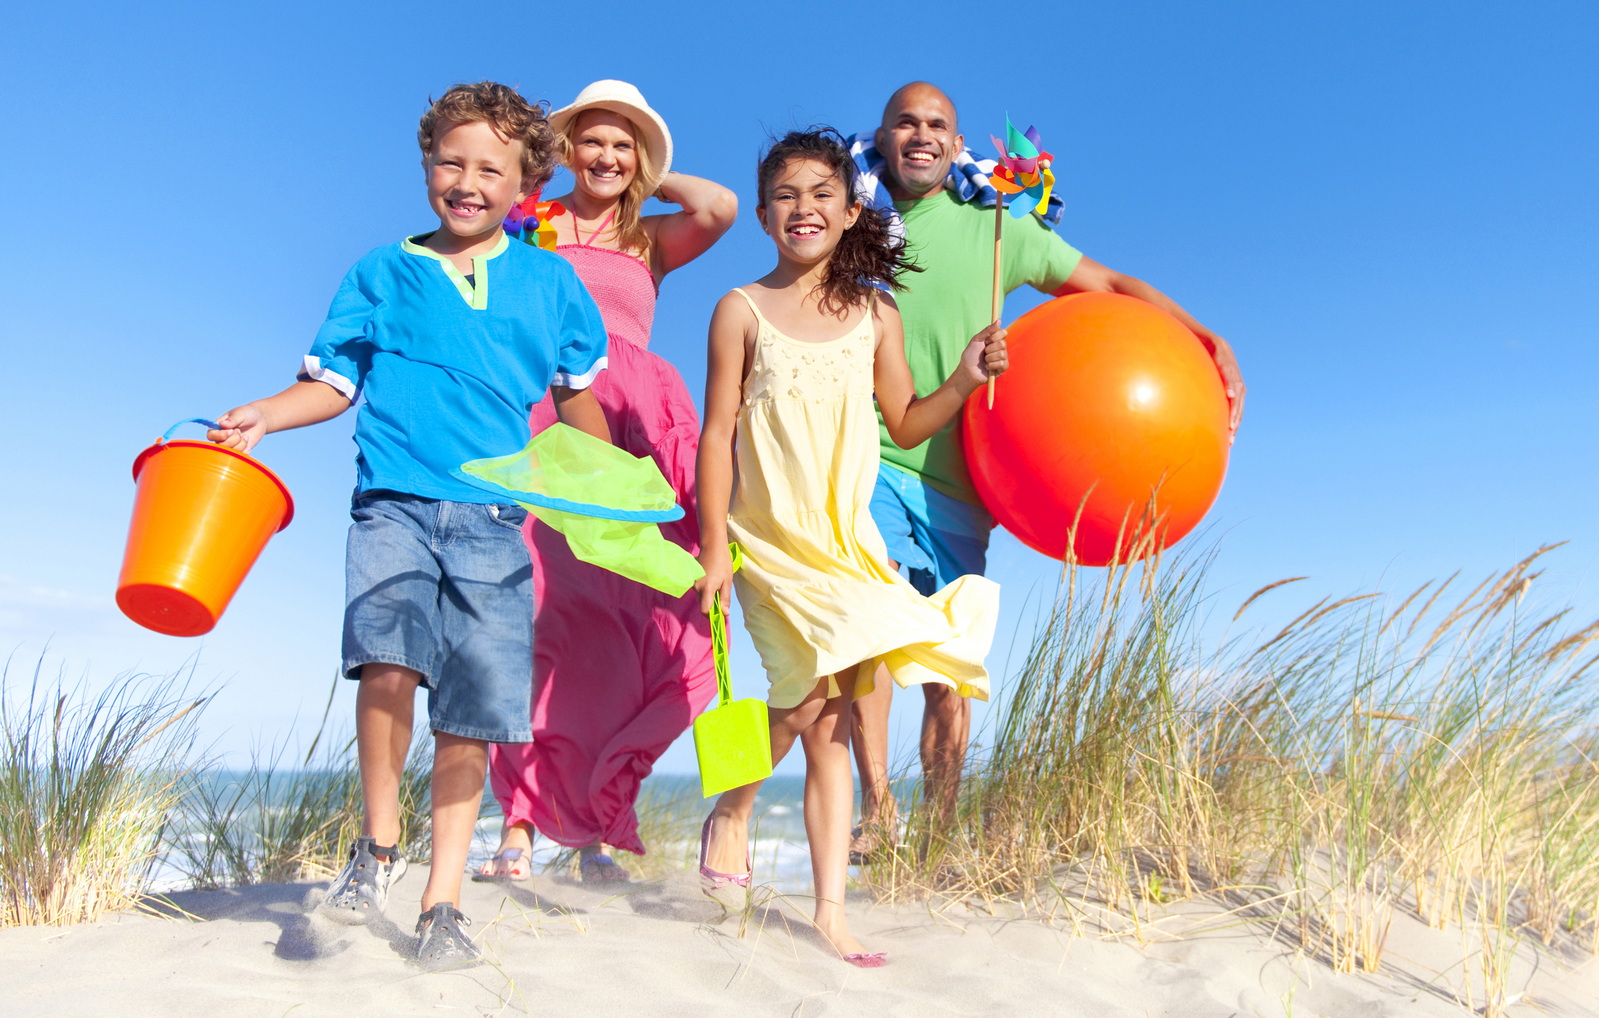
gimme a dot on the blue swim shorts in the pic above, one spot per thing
(445, 588)
(935, 537)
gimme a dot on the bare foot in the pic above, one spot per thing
(516, 836)
(728, 849)
(836, 932)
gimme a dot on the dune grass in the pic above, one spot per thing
(1433, 753)
(87, 784)
(274, 823)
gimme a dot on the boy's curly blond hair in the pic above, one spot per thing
(512, 116)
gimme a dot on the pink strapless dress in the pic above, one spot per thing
(619, 669)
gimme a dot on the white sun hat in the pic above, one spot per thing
(621, 98)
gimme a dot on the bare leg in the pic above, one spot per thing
(459, 766)
(384, 703)
(946, 725)
(829, 799)
(869, 738)
(728, 851)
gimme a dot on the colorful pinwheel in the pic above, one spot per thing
(1019, 173)
(530, 222)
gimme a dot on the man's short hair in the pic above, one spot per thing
(511, 116)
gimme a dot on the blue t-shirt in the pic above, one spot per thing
(450, 369)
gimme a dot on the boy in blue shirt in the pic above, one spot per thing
(451, 336)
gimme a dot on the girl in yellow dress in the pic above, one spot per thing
(787, 462)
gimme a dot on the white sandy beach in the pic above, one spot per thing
(663, 950)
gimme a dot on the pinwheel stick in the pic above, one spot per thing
(1022, 170)
(999, 293)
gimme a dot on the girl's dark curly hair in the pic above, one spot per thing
(867, 256)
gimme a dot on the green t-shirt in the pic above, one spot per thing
(951, 300)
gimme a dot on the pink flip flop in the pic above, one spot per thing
(711, 880)
(865, 960)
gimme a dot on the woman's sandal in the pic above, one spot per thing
(600, 869)
(510, 857)
(714, 883)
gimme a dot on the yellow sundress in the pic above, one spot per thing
(818, 595)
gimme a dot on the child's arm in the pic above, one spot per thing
(678, 238)
(912, 420)
(724, 387)
(579, 409)
(300, 404)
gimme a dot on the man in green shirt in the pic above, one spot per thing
(929, 513)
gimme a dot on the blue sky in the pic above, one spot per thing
(1388, 209)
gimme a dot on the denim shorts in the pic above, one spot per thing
(935, 538)
(446, 589)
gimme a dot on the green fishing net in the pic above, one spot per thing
(606, 501)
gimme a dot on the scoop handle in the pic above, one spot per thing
(724, 681)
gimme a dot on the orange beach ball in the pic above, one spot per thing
(1110, 398)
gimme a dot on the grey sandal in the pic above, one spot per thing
(360, 892)
(444, 942)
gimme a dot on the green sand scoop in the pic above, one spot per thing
(732, 739)
(606, 501)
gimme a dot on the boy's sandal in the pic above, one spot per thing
(600, 869)
(444, 941)
(509, 858)
(360, 892)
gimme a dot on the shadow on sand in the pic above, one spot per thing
(304, 933)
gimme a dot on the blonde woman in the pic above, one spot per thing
(619, 669)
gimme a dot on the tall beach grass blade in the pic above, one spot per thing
(271, 823)
(87, 783)
(1324, 779)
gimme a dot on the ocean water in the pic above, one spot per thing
(778, 849)
(779, 853)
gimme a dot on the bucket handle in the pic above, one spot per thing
(213, 425)
(138, 462)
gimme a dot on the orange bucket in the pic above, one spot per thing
(201, 517)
